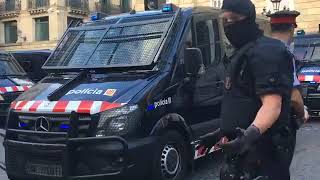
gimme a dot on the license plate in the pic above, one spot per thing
(44, 170)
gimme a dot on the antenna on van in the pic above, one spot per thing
(133, 11)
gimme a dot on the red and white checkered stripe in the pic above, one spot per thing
(13, 89)
(201, 150)
(91, 107)
(307, 78)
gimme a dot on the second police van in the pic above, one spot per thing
(13, 82)
(307, 52)
(128, 95)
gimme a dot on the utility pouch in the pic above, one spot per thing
(282, 142)
(240, 167)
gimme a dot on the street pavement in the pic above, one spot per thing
(305, 165)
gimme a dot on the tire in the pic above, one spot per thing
(170, 161)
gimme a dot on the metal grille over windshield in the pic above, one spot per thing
(117, 45)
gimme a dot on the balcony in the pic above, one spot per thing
(79, 7)
(38, 6)
(9, 8)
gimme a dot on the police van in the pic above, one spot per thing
(126, 96)
(307, 52)
(13, 82)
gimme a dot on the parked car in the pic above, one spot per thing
(13, 81)
(127, 96)
(32, 62)
(307, 51)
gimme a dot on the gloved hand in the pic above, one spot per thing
(245, 139)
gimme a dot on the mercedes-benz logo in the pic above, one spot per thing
(42, 124)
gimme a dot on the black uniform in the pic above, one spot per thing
(265, 68)
(261, 66)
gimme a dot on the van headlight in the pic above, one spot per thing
(120, 121)
(1, 98)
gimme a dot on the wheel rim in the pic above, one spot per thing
(170, 162)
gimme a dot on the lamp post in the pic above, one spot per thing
(276, 5)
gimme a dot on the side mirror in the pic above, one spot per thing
(193, 61)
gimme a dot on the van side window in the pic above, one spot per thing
(205, 40)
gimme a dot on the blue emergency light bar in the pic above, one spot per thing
(168, 8)
(65, 126)
(94, 16)
(301, 33)
(23, 124)
(97, 16)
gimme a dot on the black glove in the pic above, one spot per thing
(243, 142)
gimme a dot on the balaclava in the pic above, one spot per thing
(244, 31)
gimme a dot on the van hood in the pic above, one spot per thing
(14, 84)
(309, 74)
(88, 96)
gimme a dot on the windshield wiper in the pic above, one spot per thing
(62, 90)
(8, 75)
(139, 72)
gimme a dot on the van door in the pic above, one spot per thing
(208, 88)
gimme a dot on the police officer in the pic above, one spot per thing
(283, 24)
(256, 104)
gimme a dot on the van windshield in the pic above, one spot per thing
(8, 66)
(117, 45)
(307, 48)
(311, 53)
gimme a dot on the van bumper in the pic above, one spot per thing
(4, 109)
(312, 101)
(80, 158)
(311, 97)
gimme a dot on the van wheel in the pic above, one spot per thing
(170, 161)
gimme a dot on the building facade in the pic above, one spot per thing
(39, 24)
(309, 20)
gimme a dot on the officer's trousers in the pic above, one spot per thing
(270, 157)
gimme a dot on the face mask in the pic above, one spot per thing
(241, 32)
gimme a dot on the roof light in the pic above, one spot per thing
(301, 32)
(168, 8)
(97, 16)
(94, 16)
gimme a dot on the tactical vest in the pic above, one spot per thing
(240, 103)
